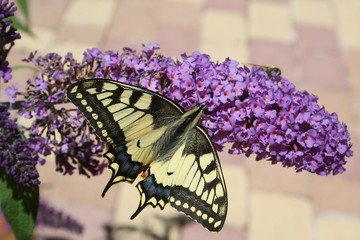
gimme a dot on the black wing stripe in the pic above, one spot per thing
(99, 117)
(135, 97)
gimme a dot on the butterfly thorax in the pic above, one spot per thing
(175, 135)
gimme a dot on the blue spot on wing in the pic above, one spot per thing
(151, 189)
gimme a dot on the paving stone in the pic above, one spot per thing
(77, 34)
(324, 69)
(78, 197)
(58, 186)
(270, 21)
(229, 5)
(265, 176)
(132, 21)
(314, 13)
(317, 38)
(336, 101)
(337, 226)
(353, 164)
(233, 159)
(178, 13)
(347, 13)
(272, 53)
(175, 40)
(199, 2)
(219, 51)
(237, 185)
(276, 216)
(196, 232)
(335, 193)
(222, 27)
(150, 220)
(89, 13)
(47, 13)
(42, 41)
(352, 60)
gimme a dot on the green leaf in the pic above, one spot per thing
(20, 26)
(24, 8)
(19, 205)
(22, 66)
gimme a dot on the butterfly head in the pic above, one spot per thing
(192, 117)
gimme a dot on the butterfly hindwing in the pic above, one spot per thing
(199, 188)
(135, 123)
(191, 180)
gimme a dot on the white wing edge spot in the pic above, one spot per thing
(94, 116)
(217, 224)
(100, 124)
(74, 90)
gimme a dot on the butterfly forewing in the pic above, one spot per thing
(133, 123)
(123, 116)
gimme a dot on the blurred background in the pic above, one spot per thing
(315, 43)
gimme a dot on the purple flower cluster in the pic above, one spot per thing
(17, 154)
(56, 129)
(48, 216)
(260, 114)
(8, 34)
(255, 111)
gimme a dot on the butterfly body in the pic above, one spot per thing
(146, 132)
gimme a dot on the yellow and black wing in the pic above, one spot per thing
(123, 116)
(192, 180)
(131, 121)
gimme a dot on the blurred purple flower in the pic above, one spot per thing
(40, 84)
(8, 34)
(16, 156)
(12, 92)
(51, 217)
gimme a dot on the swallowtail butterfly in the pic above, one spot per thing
(148, 133)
